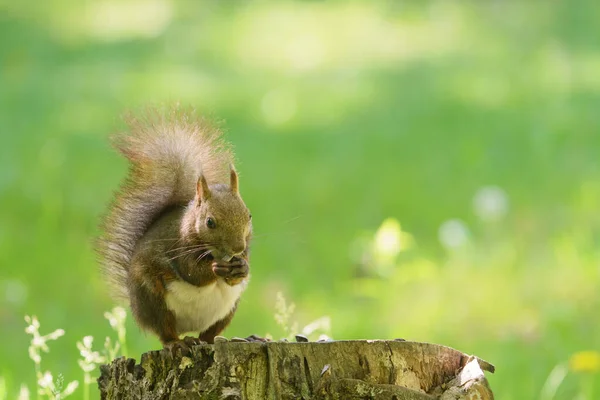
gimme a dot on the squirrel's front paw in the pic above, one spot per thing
(234, 271)
(182, 347)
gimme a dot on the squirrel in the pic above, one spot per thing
(175, 241)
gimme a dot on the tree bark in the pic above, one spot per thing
(368, 369)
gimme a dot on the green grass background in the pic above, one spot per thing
(343, 114)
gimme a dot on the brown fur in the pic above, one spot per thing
(181, 173)
(209, 335)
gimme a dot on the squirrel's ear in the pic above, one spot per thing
(233, 180)
(202, 190)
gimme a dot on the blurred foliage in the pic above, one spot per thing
(425, 170)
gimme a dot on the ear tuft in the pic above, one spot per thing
(233, 179)
(202, 190)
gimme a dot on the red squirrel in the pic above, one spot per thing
(176, 237)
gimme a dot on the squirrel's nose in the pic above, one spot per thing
(236, 251)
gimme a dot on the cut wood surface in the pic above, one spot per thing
(366, 369)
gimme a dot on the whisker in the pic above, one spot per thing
(261, 235)
(192, 249)
(164, 240)
(196, 247)
(279, 228)
(184, 253)
(291, 220)
(190, 246)
(202, 255)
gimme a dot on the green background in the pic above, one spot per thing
(342, 114)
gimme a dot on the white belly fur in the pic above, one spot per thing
(197, 308)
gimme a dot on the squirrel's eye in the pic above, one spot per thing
(249, 216)
(211, 223)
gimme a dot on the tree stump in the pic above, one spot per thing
(367, 369)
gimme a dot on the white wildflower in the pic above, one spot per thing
(38, 342)
(110, 351)
(34, 354)
(116, 318)
(46, 381)
(55, 335)
(71, 387)
(46, 385)
(283, 312)
(90, 358)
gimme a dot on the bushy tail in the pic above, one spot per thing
(167, 150)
